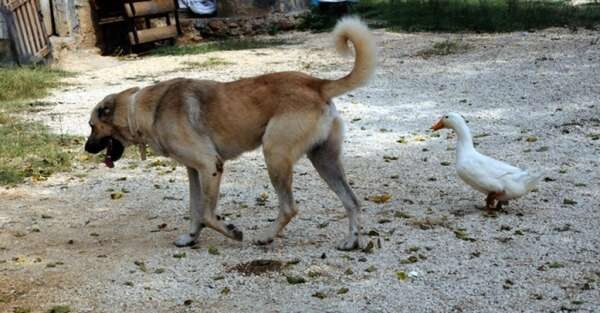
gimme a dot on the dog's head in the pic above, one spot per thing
(110, 129)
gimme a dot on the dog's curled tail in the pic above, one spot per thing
(354, 30)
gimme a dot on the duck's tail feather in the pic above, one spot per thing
(532, 179)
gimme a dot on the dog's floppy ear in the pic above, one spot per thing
(106, 110)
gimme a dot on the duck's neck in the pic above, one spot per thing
(464, 142)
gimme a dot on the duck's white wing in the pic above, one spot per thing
(484, 173)
(499, 168)
(476, 174)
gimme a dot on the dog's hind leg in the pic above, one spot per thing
(284, 141)
(280, 172)
(196, 212)
(326, 158)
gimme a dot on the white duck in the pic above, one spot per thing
(500, 181)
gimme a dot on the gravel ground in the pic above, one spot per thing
(532, 99)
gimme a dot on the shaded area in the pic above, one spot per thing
(469, 15)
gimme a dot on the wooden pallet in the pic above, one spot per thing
(147, 10)
(26, 30)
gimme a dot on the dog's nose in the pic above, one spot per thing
(88, 146)
(92, 146)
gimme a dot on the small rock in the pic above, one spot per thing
(371, 269)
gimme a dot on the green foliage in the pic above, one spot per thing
(466, 15)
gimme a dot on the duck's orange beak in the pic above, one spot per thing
(438, 125)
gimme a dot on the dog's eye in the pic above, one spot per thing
(446, 116)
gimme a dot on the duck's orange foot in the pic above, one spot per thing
(491, 202)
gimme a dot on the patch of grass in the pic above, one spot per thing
(60, 309)
(225, 45)
(211, 62)
(20, 83)
(444, 48)
(28, 149)
(466, 15)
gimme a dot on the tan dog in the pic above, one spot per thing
(201, 124)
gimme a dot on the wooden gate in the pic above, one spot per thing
(26, 29)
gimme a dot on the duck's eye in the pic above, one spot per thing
(446, 116)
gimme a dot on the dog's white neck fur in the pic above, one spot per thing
(131, 122)
(134, 130)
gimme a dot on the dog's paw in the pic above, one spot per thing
(236, 234)
(185, 240)
(351, 242)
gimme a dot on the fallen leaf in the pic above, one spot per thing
(179, 255)
(400, 275)
(382, 198)
(568, 201)
(213, 250)
(369, 247)
(294, 280)
(319, 294)
(116, 195)
(531, 139)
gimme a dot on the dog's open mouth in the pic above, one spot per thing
(108, 161)
(114, 151)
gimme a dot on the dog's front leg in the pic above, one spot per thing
(196, 211)
(210, 178)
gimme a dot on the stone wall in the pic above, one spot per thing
(248, 26)
(248, 8)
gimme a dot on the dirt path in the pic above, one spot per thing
(65, 241)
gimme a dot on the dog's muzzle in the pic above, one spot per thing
(114, 149)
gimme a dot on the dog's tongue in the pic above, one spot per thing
(108, 159)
